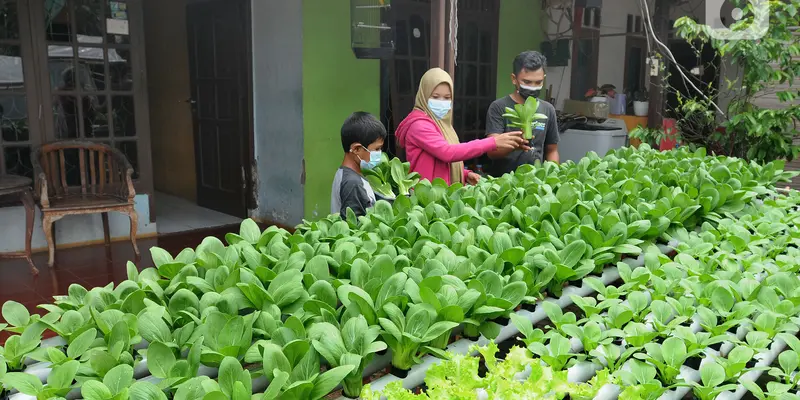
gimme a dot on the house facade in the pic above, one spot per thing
(229, 105)
(609, 47)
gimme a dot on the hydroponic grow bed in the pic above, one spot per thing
(294, 316)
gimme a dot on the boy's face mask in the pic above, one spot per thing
(374, 159)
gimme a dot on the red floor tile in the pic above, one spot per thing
(89, 266)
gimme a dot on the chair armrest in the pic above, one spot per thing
(39, 180)
(127, 188)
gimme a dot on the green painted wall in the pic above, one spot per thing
(519, 31)
(335, 84)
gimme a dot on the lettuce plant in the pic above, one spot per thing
(712, 378)
(406, 334)
(59, 381)
(353, 344)
(301, 379)
(668, 358)
(639, 382)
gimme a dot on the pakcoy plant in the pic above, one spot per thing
(412, 268)
(354, 344)
(392, 177)
(524, 115)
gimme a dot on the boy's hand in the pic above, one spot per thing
(473, 178)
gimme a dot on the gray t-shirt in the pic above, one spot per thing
(350, 190)
(544, 133)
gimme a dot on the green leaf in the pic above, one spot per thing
(328, 380)
(160, 360)
(712, 374)
(81, 344)
(95, 390)
(118, 378)
(16, 314)
(142, 390)
(24, 383)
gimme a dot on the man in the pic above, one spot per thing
(528, 79)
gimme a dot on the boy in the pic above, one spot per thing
(362, 139)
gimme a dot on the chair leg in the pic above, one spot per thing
(106, 233)
(134, 217)
(48, 225)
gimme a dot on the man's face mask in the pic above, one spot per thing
(529, 91)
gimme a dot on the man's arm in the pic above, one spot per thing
(551, 153)
(552, 137)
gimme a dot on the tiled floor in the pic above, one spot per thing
(174, 214)
(89, 266)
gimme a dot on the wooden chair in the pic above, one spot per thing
(74, 178)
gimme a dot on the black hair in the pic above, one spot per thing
(530, 61)
(361, 127)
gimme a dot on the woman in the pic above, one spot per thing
(431, 143)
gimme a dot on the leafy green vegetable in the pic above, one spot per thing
(391, 178)
(523, 115)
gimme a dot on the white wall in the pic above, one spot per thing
(73, 229)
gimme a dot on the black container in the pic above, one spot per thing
(733, 329)
(400, 373)
(716, 346)
(529, 307)
(751, 363)
(503, 321)
(382, 352)
(472, 338)
(693, 362)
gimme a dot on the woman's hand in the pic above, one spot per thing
(510, 141)
(473, 178)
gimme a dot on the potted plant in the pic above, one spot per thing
(601, 94)
(641, 103)
(652, 137)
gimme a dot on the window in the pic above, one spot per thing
(86, 74)
(591, 17)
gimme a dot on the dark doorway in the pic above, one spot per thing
(476, 68)
(635, 64)
(585, 64)
(688, 58)
(218, 58)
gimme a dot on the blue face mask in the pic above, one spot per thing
(440, 108)
(374, 160)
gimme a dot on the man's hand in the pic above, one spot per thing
(473, 178)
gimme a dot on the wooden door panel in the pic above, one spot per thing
(476, 69)
(217, 55)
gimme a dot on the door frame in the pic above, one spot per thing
(632, 41)
(248, 156)
(583, 33)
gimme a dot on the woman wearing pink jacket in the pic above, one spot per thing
(431, 144)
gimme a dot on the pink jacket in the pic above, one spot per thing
(429, 153)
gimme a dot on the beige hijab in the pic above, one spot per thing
(434, 77)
